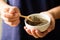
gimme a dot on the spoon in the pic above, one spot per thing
(26, 17)
(30, 19)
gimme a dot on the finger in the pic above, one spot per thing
(27, 30)
(52, 25)
(17, 10)
(33, 33)
(13, 24)
(12, 20)
(7, 15)
(38, 33)
(41, 34)
(12, 10)
(25, 27)
(6, 10)
(9, 19)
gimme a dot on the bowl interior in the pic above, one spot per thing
(45, 19)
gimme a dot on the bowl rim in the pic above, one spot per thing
(38, 14)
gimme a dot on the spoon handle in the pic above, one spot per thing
(23, 16)
(26, 17)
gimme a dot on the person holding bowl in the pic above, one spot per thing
(13, 25)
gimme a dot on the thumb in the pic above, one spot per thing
(12, 10)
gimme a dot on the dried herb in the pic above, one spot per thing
(37, 21)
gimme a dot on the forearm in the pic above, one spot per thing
(3, 3)
(55, 12)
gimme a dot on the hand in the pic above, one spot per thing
(10, 15)
(36, 33)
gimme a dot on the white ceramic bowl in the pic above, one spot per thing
(42, 28)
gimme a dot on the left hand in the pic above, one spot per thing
(37, 34)
(10, 15)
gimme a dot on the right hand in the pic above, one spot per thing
(10, 15)
(38, 34)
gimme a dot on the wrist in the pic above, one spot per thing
(3, 4)
(51, 13)
(56, 15)
(55, 12)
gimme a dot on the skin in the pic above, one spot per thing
(54, 14)
(37, 34)
(10, 15)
